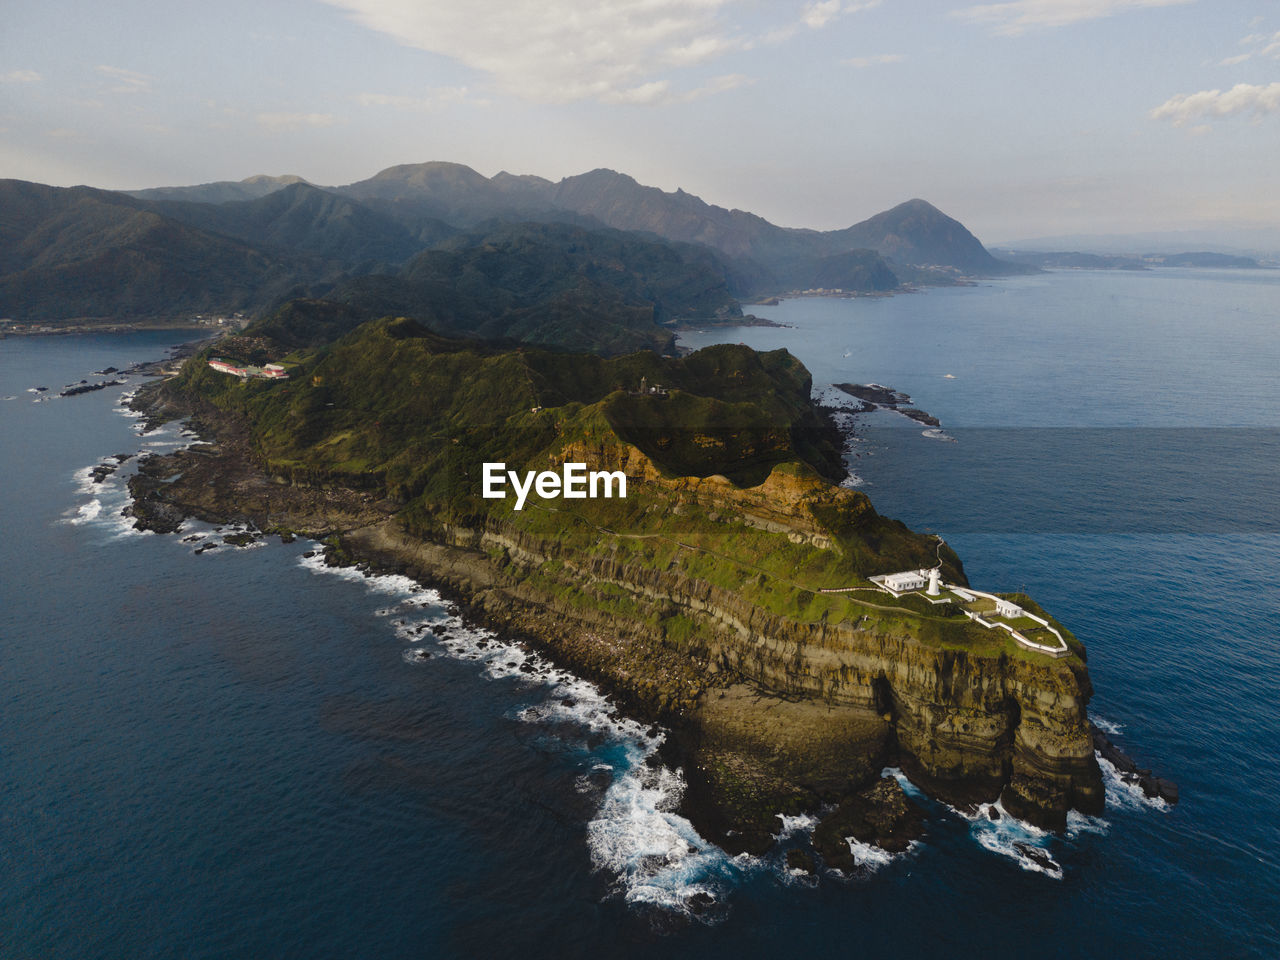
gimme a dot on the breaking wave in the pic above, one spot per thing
(997, 830)
(652, 856)
(86, 512)
(1109, 727)
(1123, 794)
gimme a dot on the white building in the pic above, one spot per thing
(904, 582)
(1006, 609)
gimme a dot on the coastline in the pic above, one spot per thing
(757, 731)
(68, 328)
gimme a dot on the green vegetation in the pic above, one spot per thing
(549, 284)
(736, 493)
(78, 252)
(513, 257)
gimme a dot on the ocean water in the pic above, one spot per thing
(243, 753)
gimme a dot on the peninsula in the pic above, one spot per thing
(728, 596)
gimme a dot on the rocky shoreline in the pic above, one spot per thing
(216, 481)
(775, 717)
(1153, 787)
(874, 395)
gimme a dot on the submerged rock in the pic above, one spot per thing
(1152, 786)
(1037, 856)
(882, 815)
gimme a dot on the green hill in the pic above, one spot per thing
(79, 252)
(300, 219)
(396, 408)
(917, 233)
(550, 284)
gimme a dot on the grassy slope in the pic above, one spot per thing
(399, 411)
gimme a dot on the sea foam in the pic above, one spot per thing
(653, 856)
(1000, 832)
(1122, 794)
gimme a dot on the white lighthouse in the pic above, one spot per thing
(933, 582)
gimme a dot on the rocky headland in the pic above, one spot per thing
(697, 602)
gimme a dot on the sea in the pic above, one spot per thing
(240, 752)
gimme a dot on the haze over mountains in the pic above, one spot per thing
(254, 244)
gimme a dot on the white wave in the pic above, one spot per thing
(933, 433)
(868, 856)
(1081, 823)
(798, 824)
(86, 513)
(122, 527)
(84, 480)
(655, 856)
(1000, 832)
(122, 406)
(1109, 727)
(1123, 794)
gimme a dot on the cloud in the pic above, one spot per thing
(126, 81)
(1017, 17)
(723, 84)
(1269, 46)
(817, 15)
(20, 76)
(433, 99)
(1243, 98)
(1263, 46)
(559, 51)
(862, 62)
(556, 51)
(294, 121)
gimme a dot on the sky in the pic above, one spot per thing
(1024, 118)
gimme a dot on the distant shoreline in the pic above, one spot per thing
(125, 326)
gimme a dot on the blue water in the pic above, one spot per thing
(241, 754)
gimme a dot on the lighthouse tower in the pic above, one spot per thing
(933, 582)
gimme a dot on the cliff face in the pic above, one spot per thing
(700, 601)
(772, 708)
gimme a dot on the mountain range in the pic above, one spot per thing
(914, 234)
(253, 245)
